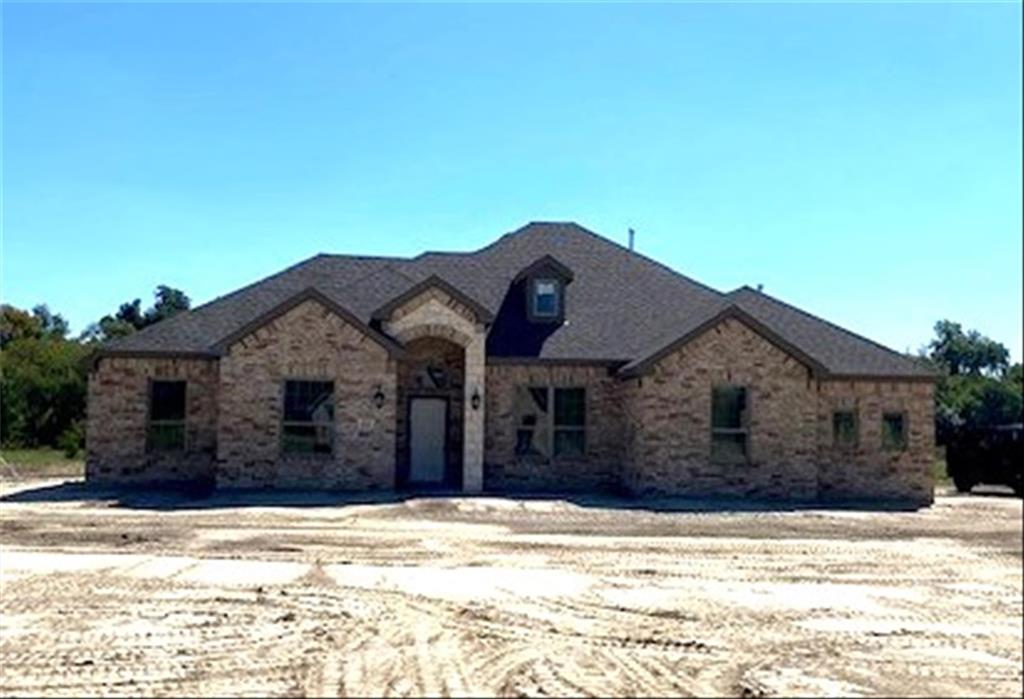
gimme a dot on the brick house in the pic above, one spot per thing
(551, 359)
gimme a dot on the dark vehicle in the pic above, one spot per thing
(989, 455)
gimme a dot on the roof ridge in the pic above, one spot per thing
(465, 253)
(390, 258)
(623, 248)
(879, 345)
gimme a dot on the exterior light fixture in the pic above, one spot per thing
(378, 397)
(475, 400)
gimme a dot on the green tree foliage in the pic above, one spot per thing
(43, 386)
(16, 324)
(169, 302)
(967, 353)
(979, 387)
(131, 314)
(43, 374)
(52, 325)
(131, 318)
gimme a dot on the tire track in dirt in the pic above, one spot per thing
(653, 604)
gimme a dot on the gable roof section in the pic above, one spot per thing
(621, 308)
(309, 294)
(198, 330)
(826, 349)
(482, 313)
(729, 311)
(845, 354)
(543, 265)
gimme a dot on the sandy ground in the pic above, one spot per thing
(135, 594)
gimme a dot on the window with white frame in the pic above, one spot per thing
(544, 299)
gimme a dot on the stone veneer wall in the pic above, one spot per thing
(868, 470)
(667, 440)
(434, 313)
(598, 471)
(307, 342)
(118, 410)
(651, 435)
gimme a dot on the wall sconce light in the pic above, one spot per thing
(475, 400)
(378, 397)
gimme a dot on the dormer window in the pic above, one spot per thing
(542, 285)
(544, 299)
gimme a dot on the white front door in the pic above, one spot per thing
(427, 424)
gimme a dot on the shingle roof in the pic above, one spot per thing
(621, 307)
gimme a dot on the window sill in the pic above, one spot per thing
(845, 448)
(731, 462)
(306, 456)
(551, 460)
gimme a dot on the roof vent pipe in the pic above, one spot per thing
(632, 235)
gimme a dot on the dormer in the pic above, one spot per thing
(544, 281)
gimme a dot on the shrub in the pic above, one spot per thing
(71, 440)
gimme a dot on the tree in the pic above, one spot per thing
(43, 375)
(169, 302)
(965, 402)
(979, 387)
(130, 317)
(967, 353)
(107, 328)
(16, 324)
(131, 314)
(43, 382)
(1015, 377)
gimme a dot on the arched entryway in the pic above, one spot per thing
(433, 314)
(430, 415)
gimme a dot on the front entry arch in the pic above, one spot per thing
(431, 396)
(435, 316)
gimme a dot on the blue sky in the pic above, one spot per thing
(862, 161)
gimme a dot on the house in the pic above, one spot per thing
(552, 359)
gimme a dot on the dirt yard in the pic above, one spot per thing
(312, 595)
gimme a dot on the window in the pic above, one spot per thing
(545, 298)
(533, 435)
(844, 428)
(166, 430)
(543, 432)
(894, 431)
(729, 423)
(570, 418)
(308, 426)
